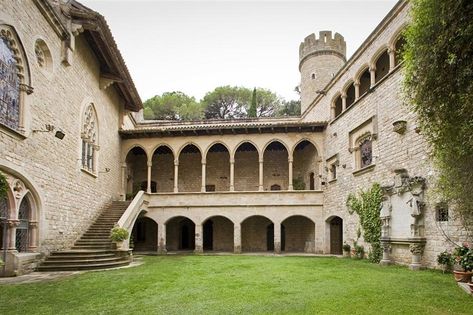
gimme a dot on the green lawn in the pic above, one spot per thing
(244, 285)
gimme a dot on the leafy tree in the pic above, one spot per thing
(226, 102)
(268, 103)
(290, 108)
(252, 110)
(439, 86)
(172, 106)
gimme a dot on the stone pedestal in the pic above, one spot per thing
(198, 239)
(416, 251)
(386, 260)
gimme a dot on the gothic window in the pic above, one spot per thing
(89, 139)
(366, 154)
(333, 171)
(9, 86)
(441, 212)
(22, 235)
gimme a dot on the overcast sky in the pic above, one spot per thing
(195, 46)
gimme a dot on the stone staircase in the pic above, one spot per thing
(94, 250)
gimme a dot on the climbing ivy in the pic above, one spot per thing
(438, 84)
(3, 186)
(367, 205)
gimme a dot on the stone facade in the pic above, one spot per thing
(250, 185)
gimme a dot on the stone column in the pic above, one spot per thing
(357, 90)
(392, 58)
(290, 186)
(260, 186)
(277, 238)
(176, 174)
(373, 76)
(12, 225)
(232, 174)
(237, 238)
(386, 260)
(416, 250)
(344, 101)
(150, 165)
(204, 168)
(124, 181)
(198, 239)
(162, 239)
(33, 231)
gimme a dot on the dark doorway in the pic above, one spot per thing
(208, 235)
(270, 237)
(186, 235)
(336, 236)
(145, 235)
(312, 181)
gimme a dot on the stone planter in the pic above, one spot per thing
(462, 276)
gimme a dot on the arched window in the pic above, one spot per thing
(14, 79)
(382, 66)
(22, 231)
(89, 137)
(365, 81)
(399, 48)
(337, 107)
(3, 220)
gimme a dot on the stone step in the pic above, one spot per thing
(94, 242)
(71, 256)
(81, 266)
(92, 246)
(77, 260)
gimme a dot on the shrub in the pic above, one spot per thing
(119, 234)
(466, 261)
(445, 259)
(359, 251)
(346, 247)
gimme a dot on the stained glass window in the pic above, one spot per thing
(9, 87)
(366, 153)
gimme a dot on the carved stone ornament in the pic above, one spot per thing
(400, 126)
(416, 249)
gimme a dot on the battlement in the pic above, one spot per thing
(325, 43)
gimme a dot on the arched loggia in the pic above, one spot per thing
(275, 167)
(136, 171)
(190, 171)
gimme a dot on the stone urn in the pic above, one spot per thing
(462, 276)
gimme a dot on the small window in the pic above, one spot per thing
(313, 76)
(275, 187)
(441, 210)
(366, 153)
(337, 106)
(209, 187)
(333, 171)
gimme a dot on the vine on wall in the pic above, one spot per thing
(367, 205)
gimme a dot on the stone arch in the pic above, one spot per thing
(397, 43)
(380, 62)
(43, 54)
(162, 173)
(217, 158)
(275, 140)
(218, 236)
(246, 169)
(17, 70)
(182, 147)
(131, 147)
(337, 105)
(243, 142)
(334, 234)
(349, 91)
(276, 165)
(396, 35)
(302, 140)
(180, 233)
(136, 170)
(190, 176)
(162, 145)
(204, 156)
(305, 165)
(257, 234)
(298, 234)
(145, 234)
(363, 78)
(26, 216)
(90, 138)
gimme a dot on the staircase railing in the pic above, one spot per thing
(127, 220)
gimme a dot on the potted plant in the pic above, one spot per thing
(464, 258)
(358, 251)
(346, 250)
(445, 259)
(118, 235)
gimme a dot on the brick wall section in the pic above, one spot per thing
(222, 234)
(300, 233)
(253, 234)
(70, 198)
(218, 170)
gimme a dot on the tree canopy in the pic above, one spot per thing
(439, 86)
(224, 102)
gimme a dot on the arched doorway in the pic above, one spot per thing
(163, 170)
(180, 234)
(190, 171)
(257, 234)
(145, 235)
(246, 167)
(335, 235)
(218, 234)
(298, 234)
(137, 171)
(22, 230)
(305, 166)
(217, 168)
(275, 167)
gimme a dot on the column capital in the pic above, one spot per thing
(290, 160)
(232, 160)
(150, 164)
(176, 162)
(13, 223)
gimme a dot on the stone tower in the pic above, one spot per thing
(319, 60)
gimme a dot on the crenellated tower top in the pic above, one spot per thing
(324, 45)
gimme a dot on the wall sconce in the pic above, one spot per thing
(50, 128)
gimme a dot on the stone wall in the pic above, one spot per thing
(69, 197)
